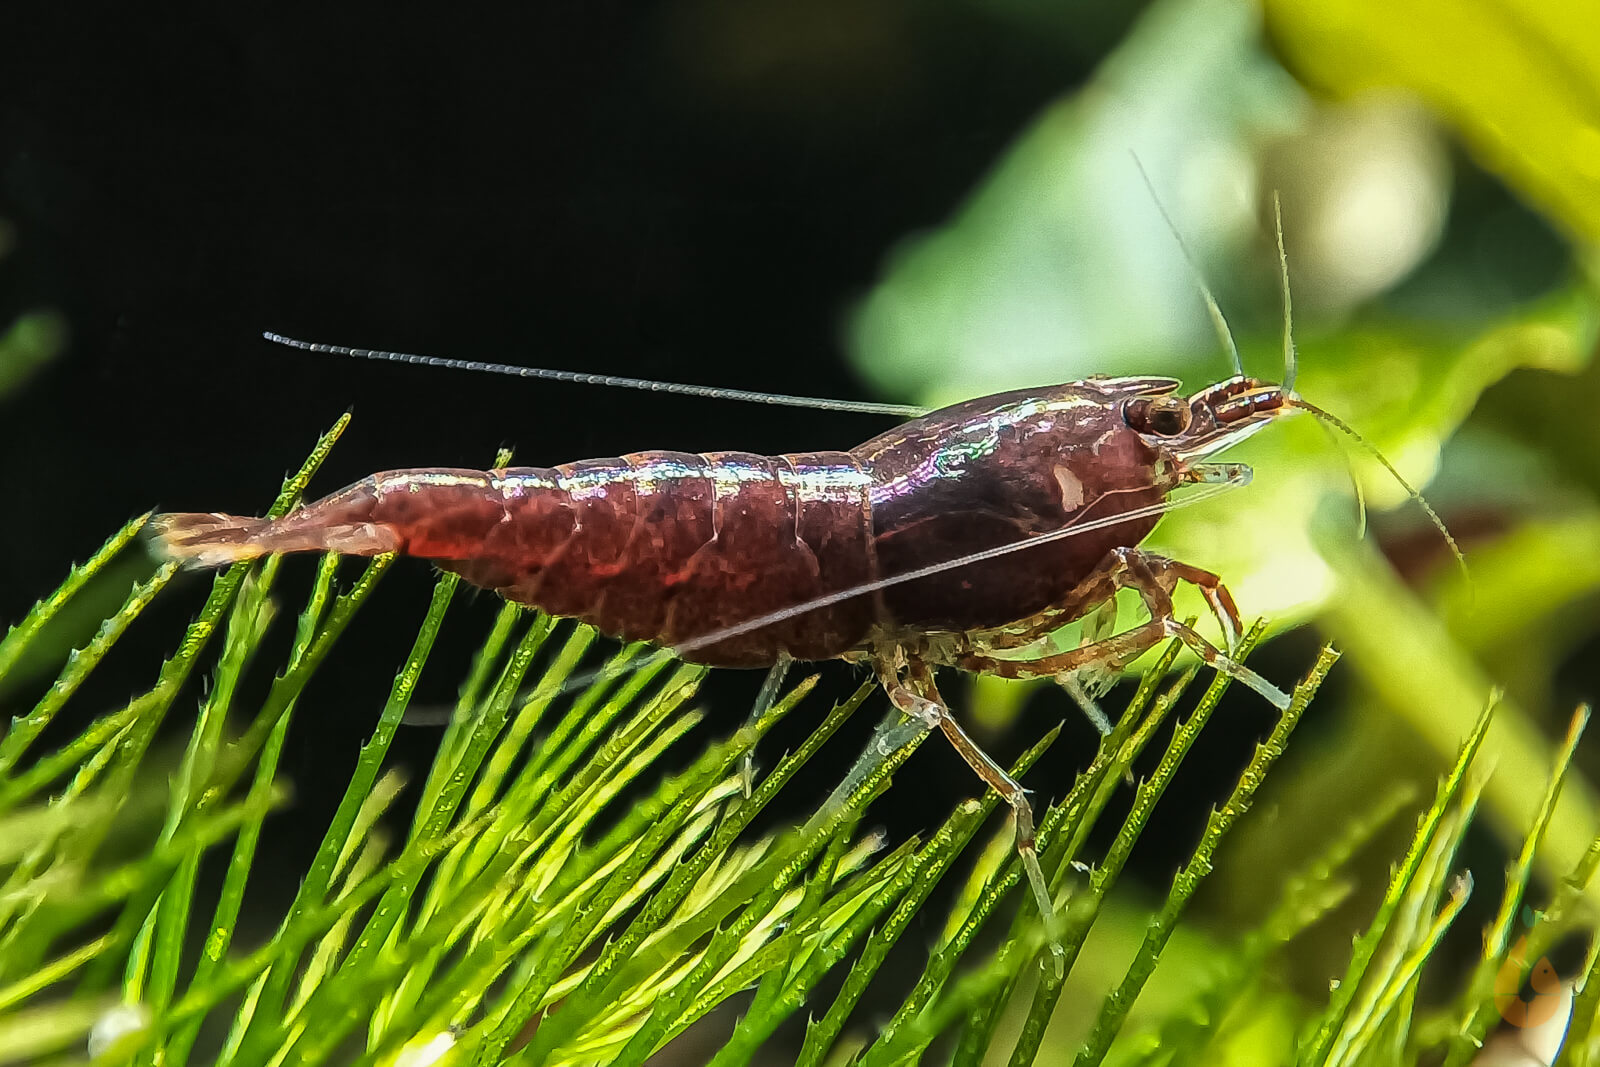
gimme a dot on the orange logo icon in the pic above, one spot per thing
(1543, 983)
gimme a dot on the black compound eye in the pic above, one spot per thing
(1169, 420)
(1165, 416)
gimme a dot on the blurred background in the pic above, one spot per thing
(918, 200)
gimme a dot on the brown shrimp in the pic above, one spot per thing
(965, 537)
(739, 560)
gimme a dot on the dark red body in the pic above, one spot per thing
(669, 546)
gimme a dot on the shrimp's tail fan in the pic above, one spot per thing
(216, 540)
(209, 539)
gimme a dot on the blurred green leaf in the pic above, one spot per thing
(1059, 265)
(1406, 389)
(1519, 79)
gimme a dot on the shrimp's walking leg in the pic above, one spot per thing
(1126, 568)
(925, 710)
(1084, 696)
(1169, 572)
(764, 700)
(920, 699)
(1152, 577)
(1117, 652)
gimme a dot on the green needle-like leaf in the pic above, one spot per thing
(1160, 930)
(1478, 1001)
(18, 638)
(1366, 946)
(1087, 907)
(559, 899)
(920, 876)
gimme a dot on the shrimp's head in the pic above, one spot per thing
(1217, 417)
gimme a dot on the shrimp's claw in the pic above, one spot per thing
(216, 540)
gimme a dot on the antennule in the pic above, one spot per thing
(1290, 363)
(1218, 321)
(859, 407)
(1372, 450)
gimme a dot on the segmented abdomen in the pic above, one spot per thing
(656, 546)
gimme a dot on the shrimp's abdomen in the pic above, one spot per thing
(663, 547)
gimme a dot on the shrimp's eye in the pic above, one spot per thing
(1165, 416)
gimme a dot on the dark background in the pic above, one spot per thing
(693, 191)
(696, 191)
(678, 191)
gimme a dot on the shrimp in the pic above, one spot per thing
(965, 537)
(733, 559)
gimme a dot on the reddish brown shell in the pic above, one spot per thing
(668, 547)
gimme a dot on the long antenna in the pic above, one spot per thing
(1433, 516)
(858, 407)
(1218, 321)
(1290, 363)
